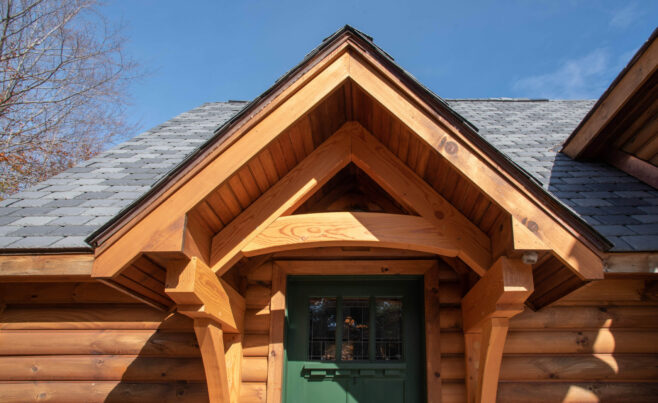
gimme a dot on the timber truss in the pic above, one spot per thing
(196, 230)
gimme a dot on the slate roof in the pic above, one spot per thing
(618, 206)
(62, 211)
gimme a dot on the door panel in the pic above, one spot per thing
(354, 339)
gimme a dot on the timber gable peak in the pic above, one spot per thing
(237, 196)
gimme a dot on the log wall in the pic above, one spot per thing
(257, 335)
(598, 344)
(68, 342)
(75, 342)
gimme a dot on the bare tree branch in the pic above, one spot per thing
(63, 80)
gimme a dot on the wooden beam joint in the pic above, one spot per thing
(200, 294)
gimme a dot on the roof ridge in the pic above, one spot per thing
(506, 99)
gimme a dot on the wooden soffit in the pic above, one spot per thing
(161, 225)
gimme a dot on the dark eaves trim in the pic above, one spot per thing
(45, 251)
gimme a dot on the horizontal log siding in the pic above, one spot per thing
(257, 335)
(86, 342)
(599, 343)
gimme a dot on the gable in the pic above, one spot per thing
(351, 108)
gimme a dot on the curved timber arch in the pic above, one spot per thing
(352, 229)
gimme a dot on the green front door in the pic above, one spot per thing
(354, 340)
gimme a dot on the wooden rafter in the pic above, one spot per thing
(285, 196)
(352, 229)
(416, 195)
(486, 310)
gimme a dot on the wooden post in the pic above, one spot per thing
(494, 333)
(432, 335)
(211, 343)
(472, 357)
(277, 322)
(486, 310)
(233, 355)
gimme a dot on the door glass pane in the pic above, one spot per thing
(388, 328)
(322, 329)
(356, 313)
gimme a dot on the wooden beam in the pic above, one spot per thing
(432, 335)
(500, 293)
(631, 263)
(613, 101)
(634, 166)
(486, 310)
(200, 294)
(286, 195)
(510, 237)
(416, 195)
(277, 322)
(211, 343)
(355, 267)
(488, 175)
(352, 229)
(65, 267)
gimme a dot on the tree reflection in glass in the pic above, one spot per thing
(322, 331)
(388, 328)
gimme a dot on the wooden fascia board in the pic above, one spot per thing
(200, 294)
(613, 100)
(404, 185)
(127, 245)
(352, 229)
(282, 198)
(488, 176)
(51, 267)
(638, 263)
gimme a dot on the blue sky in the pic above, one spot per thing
(200, 51)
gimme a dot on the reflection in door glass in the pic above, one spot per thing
(322, 332)
(355, 329)
(388, 328)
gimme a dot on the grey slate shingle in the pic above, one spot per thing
(608, 199)
(78, 201)
(75, 203)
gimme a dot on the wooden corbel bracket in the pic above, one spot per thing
(486, 310)
(217, 309)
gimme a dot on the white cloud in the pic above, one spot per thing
(624, 17)
(582, 78)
